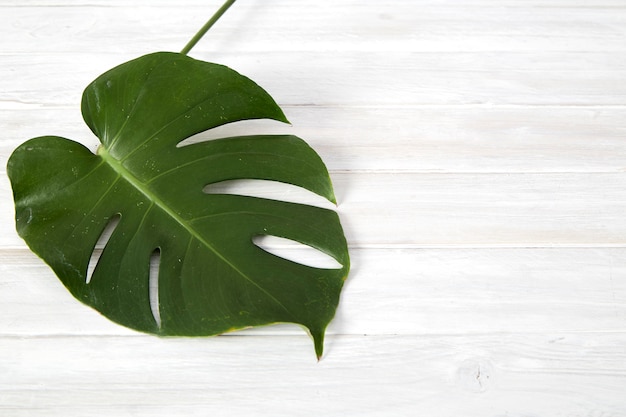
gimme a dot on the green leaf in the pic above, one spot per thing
(212, 278)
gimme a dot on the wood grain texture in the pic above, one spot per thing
(396, 25)
(478, 151)
(420, 139)
(428, 292)
(440, 210)
(359, 78)
(445, 375)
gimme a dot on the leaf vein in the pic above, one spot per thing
(213, 156)
(137, 184)
(95, 205)
(134, 107)
(166, 125)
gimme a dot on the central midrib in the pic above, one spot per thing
(142, 188)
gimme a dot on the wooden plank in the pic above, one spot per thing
(391, 4)
(452, 210)
(422, 210)
(405, 292)
(355, 78)
(477, 149)
(346, 25)
(560, 374)
(429, 139)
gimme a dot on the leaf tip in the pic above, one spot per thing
(318, 341)
(281, 117)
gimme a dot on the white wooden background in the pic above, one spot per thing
(478, 150)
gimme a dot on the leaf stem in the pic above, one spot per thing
(207, 26)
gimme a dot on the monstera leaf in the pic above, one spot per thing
(212, 278)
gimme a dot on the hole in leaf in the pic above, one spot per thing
(239, 128)
(155, 261)
(100, 244)
(272, 190)
(296, 252)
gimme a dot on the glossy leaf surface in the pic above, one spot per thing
(212, 278)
